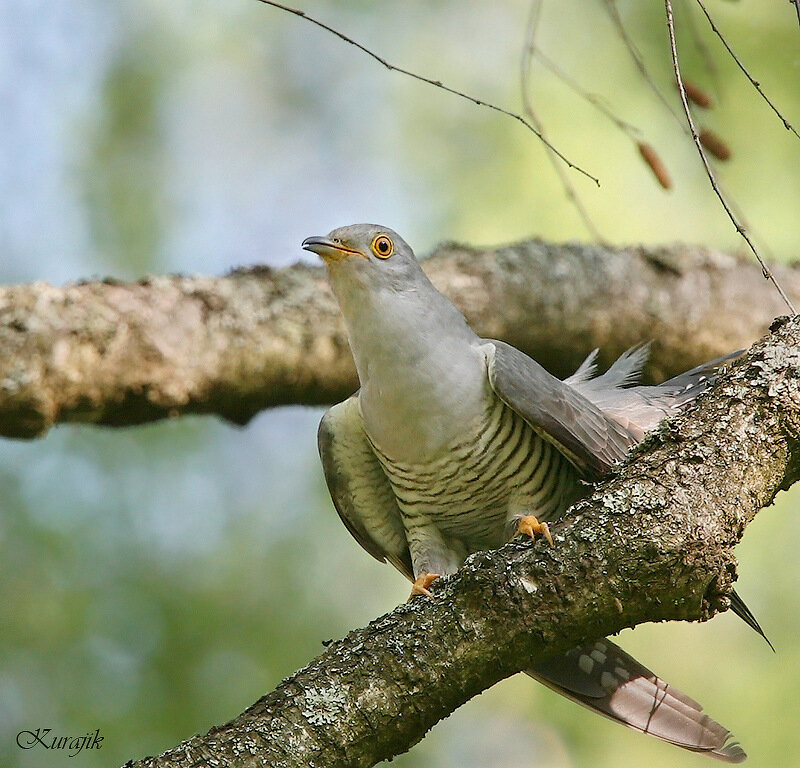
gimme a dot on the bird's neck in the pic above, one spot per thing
(418, 366)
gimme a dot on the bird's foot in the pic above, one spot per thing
(529, 525)
(421, 584)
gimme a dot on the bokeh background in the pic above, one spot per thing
(155, 581)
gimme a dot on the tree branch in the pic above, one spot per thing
(126, 353)
(653, 542)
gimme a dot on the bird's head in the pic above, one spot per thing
(373, 256)
(394, 315)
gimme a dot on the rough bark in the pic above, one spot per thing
(653, 542)
(117, 354)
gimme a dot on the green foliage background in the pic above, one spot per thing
(155, 581)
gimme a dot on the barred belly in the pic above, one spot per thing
(497, 470)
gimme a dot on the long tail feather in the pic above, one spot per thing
(609, 681)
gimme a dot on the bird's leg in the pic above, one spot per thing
(529, 525)
(421, 584)
(431, 555)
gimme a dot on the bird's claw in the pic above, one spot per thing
(421, 584)
(529, 525)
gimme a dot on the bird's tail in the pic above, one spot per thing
(606, 679)
(639, 408)
(745, 614)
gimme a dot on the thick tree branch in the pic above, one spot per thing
(653, 542)
(116, 354)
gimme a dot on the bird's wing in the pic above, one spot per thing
(609, 681)
(359, 487)
(592, 441)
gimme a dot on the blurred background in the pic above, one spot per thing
(156, 581)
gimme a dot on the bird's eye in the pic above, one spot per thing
(382, 246)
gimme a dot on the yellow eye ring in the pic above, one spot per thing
(382, 246)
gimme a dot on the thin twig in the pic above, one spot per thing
(748, 225)
(437, 83)
(591, 98)
(796, 4)
(754, 83)
(616, 19)
(613, 11)
(703, 50)
(695, 137)
(646, 151)
(525, 72)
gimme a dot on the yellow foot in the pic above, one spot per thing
(421, 584)
(530, 526)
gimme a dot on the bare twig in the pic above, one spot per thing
(525, 72)
(754, 83)
(616, 19)
(796, 4)
(748, 225)
(436, 83)
(590, 98)
(646, 151)
(703, 50)
(709, 172)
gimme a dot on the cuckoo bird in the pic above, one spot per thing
(454, 443)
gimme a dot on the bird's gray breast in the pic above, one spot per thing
(418, 400)
(494, 468)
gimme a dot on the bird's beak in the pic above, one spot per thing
(328, 250)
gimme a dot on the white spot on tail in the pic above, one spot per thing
(608, 681)
(598, 656)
